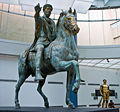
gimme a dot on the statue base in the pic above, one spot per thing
(56, 109)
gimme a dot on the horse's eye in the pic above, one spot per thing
(69, 18)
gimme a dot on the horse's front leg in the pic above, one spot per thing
(77, 79)
(68, 88)
(66, 66)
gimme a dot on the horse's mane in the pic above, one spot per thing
(58, 22)
(64, 13)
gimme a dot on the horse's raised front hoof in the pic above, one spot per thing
(82, 80)
(17, 106)
(47, 105)
(76, 86)
(75, 89)
(71, 105)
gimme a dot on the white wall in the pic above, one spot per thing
(99, 52)
(91, 33)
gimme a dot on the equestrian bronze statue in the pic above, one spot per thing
(60, 54)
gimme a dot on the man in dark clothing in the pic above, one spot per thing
(111, 104)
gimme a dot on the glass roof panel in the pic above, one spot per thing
(99, 65)
(102, 63)
(90, 64)
(82, 63)
(82, 6)
(86, 61)
(61, 4)
(96, 61)
(107, 65)
(115, 66)
(33, 2)
(58, 5)
(115, 61)
(118, 63)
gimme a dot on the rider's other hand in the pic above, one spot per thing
(76, 54)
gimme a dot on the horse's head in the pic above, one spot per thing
(69, 21)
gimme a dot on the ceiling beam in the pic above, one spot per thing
(106, 1)
(105, 4)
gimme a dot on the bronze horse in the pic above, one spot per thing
(60, 55)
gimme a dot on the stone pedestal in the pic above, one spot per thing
(56, 109)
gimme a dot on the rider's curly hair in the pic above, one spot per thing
(47, 5)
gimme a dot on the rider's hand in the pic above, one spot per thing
(76, 54)
(37, 8)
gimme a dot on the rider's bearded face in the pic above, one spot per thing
(47, 11)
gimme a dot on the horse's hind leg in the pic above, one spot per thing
(39, 89)
(18, 85)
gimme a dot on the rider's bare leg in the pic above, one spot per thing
(38, 75)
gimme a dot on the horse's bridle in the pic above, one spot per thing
(70, 24)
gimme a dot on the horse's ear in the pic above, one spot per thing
(62, 13)
(74, 13)
(70, 10)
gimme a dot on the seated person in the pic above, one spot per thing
(111, 104)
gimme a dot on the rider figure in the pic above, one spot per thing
(44, 34)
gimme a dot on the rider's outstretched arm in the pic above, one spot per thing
(37, 11)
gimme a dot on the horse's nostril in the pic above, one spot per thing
(74, 29)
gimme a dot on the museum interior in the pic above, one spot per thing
(98, 43)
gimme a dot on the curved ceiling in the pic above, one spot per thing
(28, 5)
(105, 4)
(82, 6)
